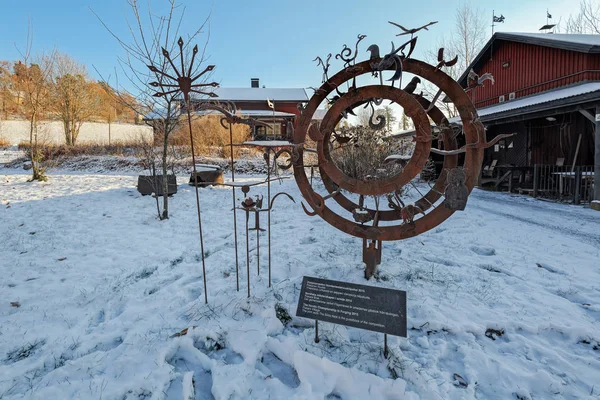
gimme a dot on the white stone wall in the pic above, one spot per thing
(91, 132)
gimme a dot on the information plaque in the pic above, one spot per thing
(360, 306)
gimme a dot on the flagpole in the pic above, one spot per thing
(493, 15)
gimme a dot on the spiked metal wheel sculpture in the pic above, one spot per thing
(184, 84)
(399, 220)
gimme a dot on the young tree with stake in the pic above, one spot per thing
(150, 33)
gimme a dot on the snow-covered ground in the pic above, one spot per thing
(505, 294)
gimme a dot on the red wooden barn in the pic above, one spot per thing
(547, 91)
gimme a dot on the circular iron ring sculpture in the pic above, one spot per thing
(414, 106)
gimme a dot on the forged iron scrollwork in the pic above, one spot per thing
(346, 54)
(380, 124)
(325, 64)
(184, 82)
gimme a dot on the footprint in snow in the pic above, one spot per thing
(273, 366)
(483, 251)
(202, 378)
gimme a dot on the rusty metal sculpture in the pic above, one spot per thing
(255, 205)
(279, 150)
(183, 82)
(454, 183)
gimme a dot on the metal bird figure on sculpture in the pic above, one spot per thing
(379, 64)
(442, 62)
(475, 81)
(411, 31)
(412, 85)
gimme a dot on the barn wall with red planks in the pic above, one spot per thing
(527, 69)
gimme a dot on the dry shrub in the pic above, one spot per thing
(210, 138)
(364, 155)
(4, 143)
(52, 151)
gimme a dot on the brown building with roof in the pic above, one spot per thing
(256, 102)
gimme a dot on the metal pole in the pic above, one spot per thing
(385, 347)
(597, 157)
(248, 251)
(269, 208)
(317, 340)
(237, 277)
(257, 243)
(197, 198)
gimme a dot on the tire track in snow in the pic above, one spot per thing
(586, 237)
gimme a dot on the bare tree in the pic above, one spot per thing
(33, 81)
(152, 32)
(465, 41)
(6, 97)
(469, 35)
(363, 116)
(405, 122)
(390, 118)
(74, 99)
(107, 107)
(587, 20)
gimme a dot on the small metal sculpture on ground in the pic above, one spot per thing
(400, 220)
(255, 205)
(279, 149)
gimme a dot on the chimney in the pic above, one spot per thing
(254, 82)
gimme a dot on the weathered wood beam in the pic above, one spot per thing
(589, 116)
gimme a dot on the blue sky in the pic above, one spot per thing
(274, 40)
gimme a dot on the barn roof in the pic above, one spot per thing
(261, 94)
(541, 102)
(572, 42)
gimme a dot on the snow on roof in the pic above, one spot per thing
(251, 113)
(261, 94)
(590, 40)
(545, 97)
(403, 133)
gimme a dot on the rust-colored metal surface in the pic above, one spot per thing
(341, 92)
